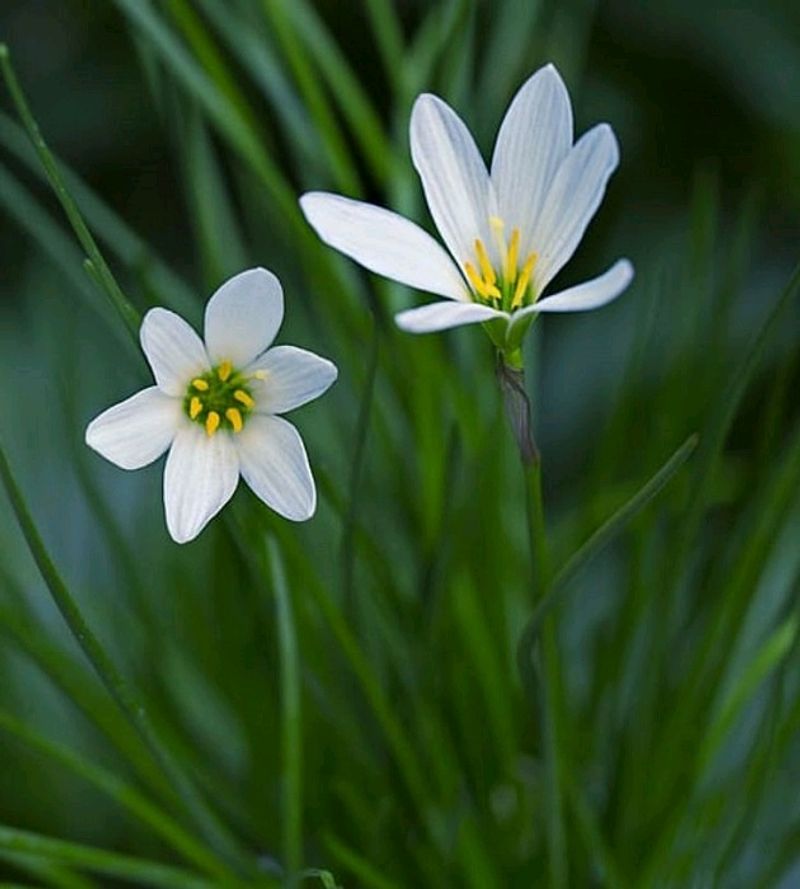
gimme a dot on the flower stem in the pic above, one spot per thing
(549, 680)
(510, 375)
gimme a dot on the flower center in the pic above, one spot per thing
(509, 288)
(220, 399)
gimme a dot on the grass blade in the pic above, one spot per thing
(138, 870)
(127, 312)
(291, 719)
(108, 674)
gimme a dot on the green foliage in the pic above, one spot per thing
(461, 672)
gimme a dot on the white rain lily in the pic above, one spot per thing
(510, 231)
(216, 407)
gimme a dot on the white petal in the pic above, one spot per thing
(534, 138)
(175, 352)
(294, 377)
(243, 316)
(275, 465)
(443, 315)
(589, 295)
(384, 243)
(200, 477)
(454, 177)
(136, 431)
(572, 200)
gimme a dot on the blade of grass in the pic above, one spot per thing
(63, 673)
(38, 224)
(353, 101)
(388, 32)
(598, 541)
(214, 218)
(211, 60)
(724, 411)
(197, 83)
(291, 719)
(46, 874)
(111, 229)
(129, 315)
(768, 658)
(255, 53)
(123, 794)
(346, 177)
(110, 864)
(365, 872)
(359, 451)
(118, 688)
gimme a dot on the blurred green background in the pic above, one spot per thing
(193, 125)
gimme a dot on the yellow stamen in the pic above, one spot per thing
(260, 375)
(212, 423)
(224, 370)
(195, 406)
(475, 279)
(483, 261)
(510, 265)
(243, 398)
(524, 279)
(200, 385)
(234, 418)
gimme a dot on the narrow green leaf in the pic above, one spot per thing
(128, 313)
(365, 872)
(291, 719)
(279, 15)
(602, 537)
(99, 861)
(768, 657)
(117, 687)
(122, 793)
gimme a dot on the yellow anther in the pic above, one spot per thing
(524, 279)
(243, 398)
(493, 291)
(483, 261)
(195, 406)
(224, 370)
(234, 418)
(510, 265)
(212, 422)
(475, 279)
(200, 385)
(260, 375)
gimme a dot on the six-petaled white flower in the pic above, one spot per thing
(215, 407)
(510, 231)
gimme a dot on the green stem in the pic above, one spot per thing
(291, 720)
(128, 313)
(549, 680)
(512, 383)
(130, 705)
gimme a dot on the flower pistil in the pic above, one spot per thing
(221, 398)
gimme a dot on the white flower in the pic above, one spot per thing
(215, 407)
(510, 232)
